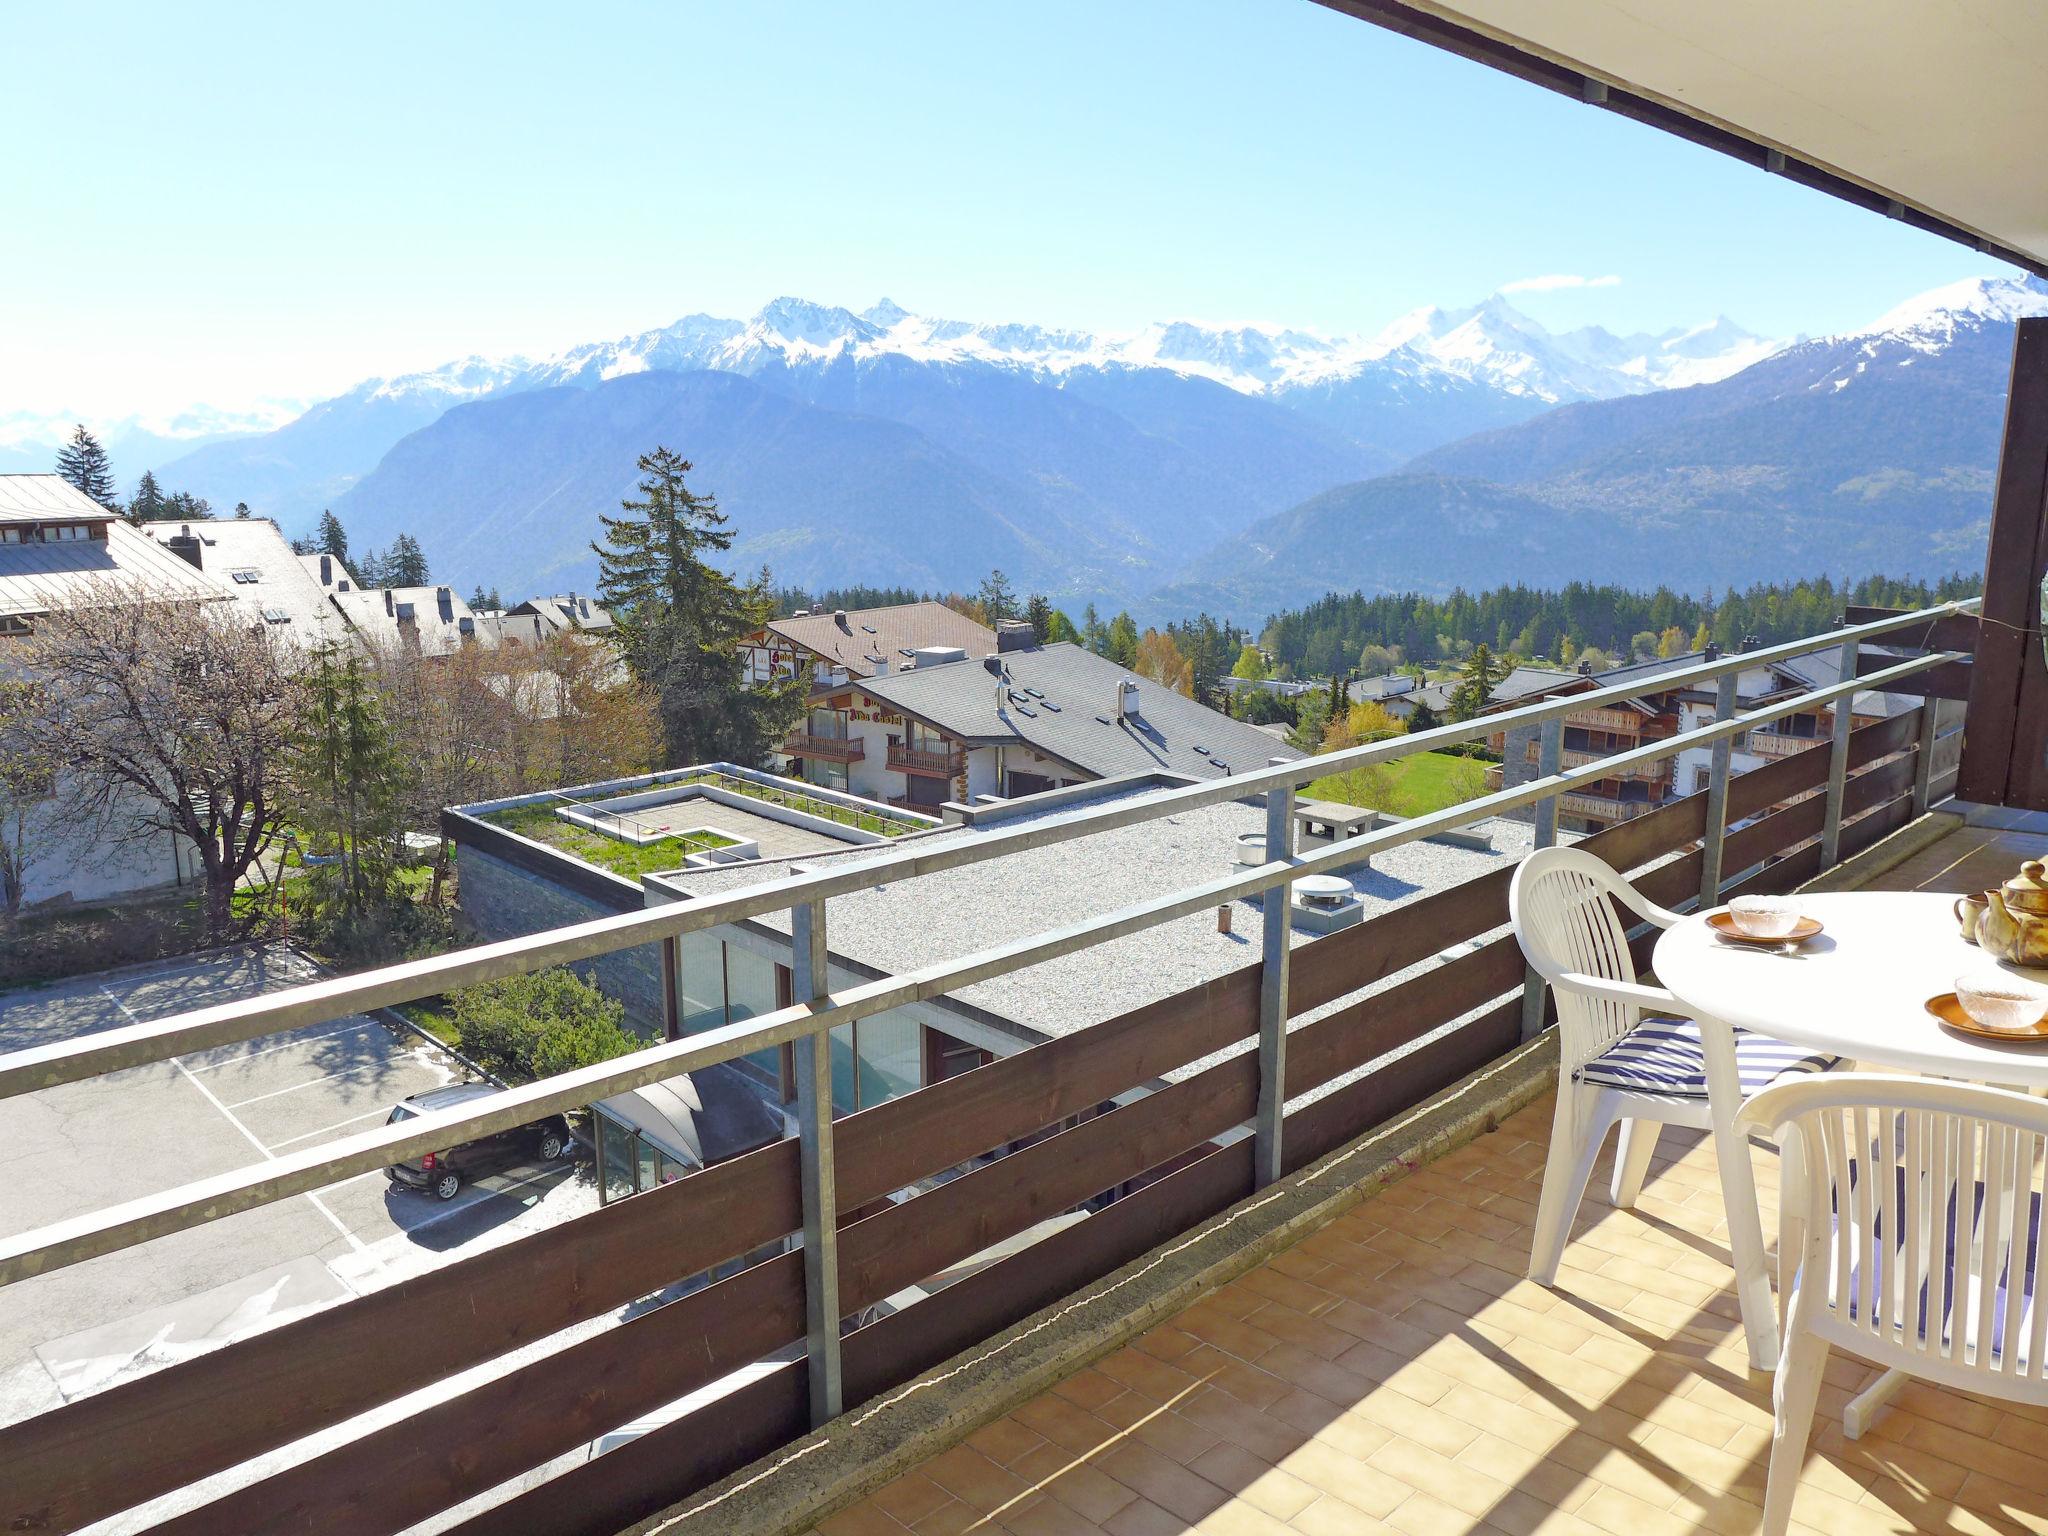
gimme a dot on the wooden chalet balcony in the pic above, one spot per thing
(1777, 744)
(1573, 757)
(1625, 721)
(493, 1373)
(937, 765)
(1605, 807)
(832, 749)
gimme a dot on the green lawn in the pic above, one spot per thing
(1425, 782)
(632, 860)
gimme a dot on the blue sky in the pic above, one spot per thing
(228, 204)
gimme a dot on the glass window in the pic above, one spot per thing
(749, 993)
(614, 1159)
(701, 959)
(891, 1056)
(844, 1087)
(829, 723)
(828, 775)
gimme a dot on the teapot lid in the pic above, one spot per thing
(2032, 878)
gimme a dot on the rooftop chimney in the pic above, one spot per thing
(388, 608)
(1126, 699)
(1712, 652)
(1014, 635)
(185, 547)
(839, 618)
(1585, 669)
(445, 600)
(327, 570)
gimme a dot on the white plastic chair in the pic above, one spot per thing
(1625, 1051)
(1882, 1257)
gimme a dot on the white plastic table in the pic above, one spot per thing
(1859, 991)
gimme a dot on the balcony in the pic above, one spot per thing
(1389, 1362)
(832, 749)
(1776, 744)
(1571, 757)
(936, 765)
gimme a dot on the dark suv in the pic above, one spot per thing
(444, 1173)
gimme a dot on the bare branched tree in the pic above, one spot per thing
(169, 716)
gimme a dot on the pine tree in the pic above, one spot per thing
(149, 503)
(1094, 633)
(997, 597)
(83, 464)
(406, 565)
(679, 621)
(1123, 640)
(1475, 685)
(186, 507)
(331, 538)
(348, 776)
(1039, 611)
(242, 510)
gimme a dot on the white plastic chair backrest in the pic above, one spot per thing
(1565, 923)
(1895, 1175)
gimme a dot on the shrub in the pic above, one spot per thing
(533, 1026)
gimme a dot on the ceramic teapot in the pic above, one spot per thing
(2028, 890)
(2012, 933)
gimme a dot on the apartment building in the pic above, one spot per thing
(1659, 714)
(1021, 721)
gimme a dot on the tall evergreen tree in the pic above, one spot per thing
(1039, 611)
(83, 463)
(997, 597)
(679, 621)
(406, 565)
(242, 509)
(183, 504)
(348, 779)
(330, 538)
(149, 502)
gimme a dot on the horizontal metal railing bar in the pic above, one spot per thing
(231, 1023)
(138, 1221)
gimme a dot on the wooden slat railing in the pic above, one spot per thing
(119, 1448)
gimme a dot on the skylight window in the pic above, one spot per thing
(245, 578)
(276, 616)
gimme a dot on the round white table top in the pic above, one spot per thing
(1859, 989)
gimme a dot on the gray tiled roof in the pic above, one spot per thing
(1061, 700)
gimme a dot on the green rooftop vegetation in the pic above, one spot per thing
(631, 860)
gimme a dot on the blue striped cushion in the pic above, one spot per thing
(1666, 1056)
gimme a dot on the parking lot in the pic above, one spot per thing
(71, 1150)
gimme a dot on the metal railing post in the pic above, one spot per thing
(1717, 797)
(1276, 913)
(1838, 763)
(809, 981)
(1923, 764)
(1549, 759)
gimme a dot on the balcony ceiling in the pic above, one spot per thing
(1939, 106)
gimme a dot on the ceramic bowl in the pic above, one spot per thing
(1764, 917)
(1999, 1001)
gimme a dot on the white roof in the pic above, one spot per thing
(48, 578)
(43, 498)
(250, 561)
(381, 617)
(1938, 105)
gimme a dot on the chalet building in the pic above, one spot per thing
(845, 646)
(1655, 715)
(1026, 719)
(568, 613)
(60, 549)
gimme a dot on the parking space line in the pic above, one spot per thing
(342, 1029)
(351, 1120)
(311, 1082)
(207, 1093)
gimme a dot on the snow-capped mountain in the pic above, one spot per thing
(1492, 343)
(1870, 451)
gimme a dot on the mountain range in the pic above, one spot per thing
(1847, 455)
(900, 448)
(1239, 468)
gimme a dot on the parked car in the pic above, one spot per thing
(444, 1173)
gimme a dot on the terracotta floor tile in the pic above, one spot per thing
(1396, 1371)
